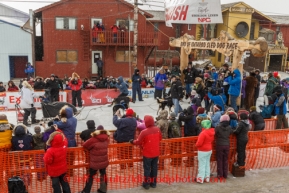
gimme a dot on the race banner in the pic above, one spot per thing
(193, 12)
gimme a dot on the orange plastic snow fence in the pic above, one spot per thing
(265, 149)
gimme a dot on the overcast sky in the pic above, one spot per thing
(265, 6)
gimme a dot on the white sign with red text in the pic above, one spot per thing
(193, 12)
(9, 99)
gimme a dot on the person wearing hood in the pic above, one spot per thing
(234, 80)
(252, 83)
(233, 117)
(149, 139)
(176, 71)
(47, 132)
(218, 98)
(136, 88)
(75, 84)
(242, 138)
(21, 141)
(86, 134)
(5, 131)
(97, 146)
(204, 145)
(160, 80)
(125, 130)
(271, 84)
(29, 70)
(122, 86)
(54, 85)
(39, 84)
(280, 108)
(176, 93)
(257, 119)
(56, 163)
(222, 135)
(27, 103)
(217, 115)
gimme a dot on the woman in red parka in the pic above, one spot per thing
(55, 161)
(12, 86)
(97, 146)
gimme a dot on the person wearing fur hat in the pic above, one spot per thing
(56, 163)
(222, 136)
(257, 119)
(97, 146)
(204, 145)
(251, 85)
(75, 84)
(126, 128)
(86, 134)
(21, 141)
(5, 132)
(242, 138)
(149, 139)
(280, 109)
(136, 88)
(217, 115)
(27, 103)
(54, 85)
(160, 80)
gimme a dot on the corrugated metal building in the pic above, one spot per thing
(15, 43)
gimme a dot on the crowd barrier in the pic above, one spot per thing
(177, 162)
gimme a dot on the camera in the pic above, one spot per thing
(74, 81)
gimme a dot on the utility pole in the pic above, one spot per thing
(135, 33)
(129, 62)
(33, 34)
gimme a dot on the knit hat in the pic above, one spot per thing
(173, 115)
(99, 127)
(90, 124)
(253, 108)
(200, 110)
(52, 75)
(129, 112)
(230, 109)
(224, 118)
(275, 74)
(206, 75)
(193, 93)
(3, 118)
(217, 107)
(206, 124)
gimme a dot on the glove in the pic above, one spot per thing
(32, 105)
(131, 141)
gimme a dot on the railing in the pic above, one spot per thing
(124, 38)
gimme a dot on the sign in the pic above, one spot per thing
(146, 92)
(192, 12)
(277, 51)
(241, 10)
(91, 97)
(11, 98)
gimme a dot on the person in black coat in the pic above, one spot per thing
(22, 140)
(242, 138)
(39, 84)
(190, 75)
(257, 89)
(188, 117)
(222, 135)
(136, 88)
(176, 93)
(54, 85)
(258, 120)
(86, 134)
(2, 88)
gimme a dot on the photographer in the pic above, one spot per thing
(54, 85)
(176, 93)
(75, 85)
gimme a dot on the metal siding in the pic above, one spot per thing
(13, 42)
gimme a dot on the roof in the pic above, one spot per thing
(65, 1)
(157, 15)
(280, 19)
(3, 5)
(12, 21)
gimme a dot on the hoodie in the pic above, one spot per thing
(223, 132)
(242, 130)
(38, 141)
(121, 85)
(21, 141)
(216, 118)
(55, 156)
(163, 123)
(97, 146)
(149, 139)
(205, 140)
(235, 83)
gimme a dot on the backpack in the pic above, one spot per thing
(16, 185)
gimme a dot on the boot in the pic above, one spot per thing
(26, 123)
(34, 121)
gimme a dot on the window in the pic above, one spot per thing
(67, 23)
(219, 57)
(189, 26)
(123, 56)
(252, 31)
(65, 56)
(129, 24)
(156, 26)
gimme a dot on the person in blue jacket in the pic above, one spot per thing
(234, 80)
(217, 115)
(281, 110)
(136, 88)
(160, 80)
(29, 70)
(214, 76)
(122, 86)
(218, 98)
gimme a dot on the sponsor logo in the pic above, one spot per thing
(204, 20)
(177, 13)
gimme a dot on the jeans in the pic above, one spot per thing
(150, 166)
(89, 180)
(188, 89)
(60, 180)
(204, 166)
(233, 100)
(177, 106)
(76, 95)
(27, 113)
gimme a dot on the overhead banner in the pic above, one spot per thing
(193, 12)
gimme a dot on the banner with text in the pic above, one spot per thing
(193, 12)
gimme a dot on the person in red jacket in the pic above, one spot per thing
(55, 161)
(149, 139)
(12, 86)
(75, 84)
(97, 146)
(204, 145)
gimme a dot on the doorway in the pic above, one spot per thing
(275, 63)
(95, 21)
(17, 65)
(96, 55)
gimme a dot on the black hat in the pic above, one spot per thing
(226, 65)
(243, 116)
(1, 82)
(90, 124)
(52, 75)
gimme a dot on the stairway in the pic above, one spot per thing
(152, 49)
(86, 44)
